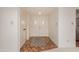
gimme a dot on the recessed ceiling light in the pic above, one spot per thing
(39, 13)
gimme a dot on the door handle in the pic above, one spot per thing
(24, 29)
(72, 23)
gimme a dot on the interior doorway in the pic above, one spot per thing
(40, 25)
(77, 28)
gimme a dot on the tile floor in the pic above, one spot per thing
(37, 44)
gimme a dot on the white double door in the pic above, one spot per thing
(38, 26)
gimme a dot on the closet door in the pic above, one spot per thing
(34, 26)
(43, 27)
(39, 26)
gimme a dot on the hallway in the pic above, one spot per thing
(22, 27)
(37, 44)
(39, 29)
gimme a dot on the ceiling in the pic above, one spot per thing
(39, 10)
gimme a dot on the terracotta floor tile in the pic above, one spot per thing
(28, 47)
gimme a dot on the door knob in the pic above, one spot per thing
(72, 23)
(24, 29)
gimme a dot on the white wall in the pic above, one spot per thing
(67, 29)
(53, 26)
(38, 25)
(62, 27)
(9, 29)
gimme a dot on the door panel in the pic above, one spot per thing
(34, 30)
(43, 27)
(38, 26)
